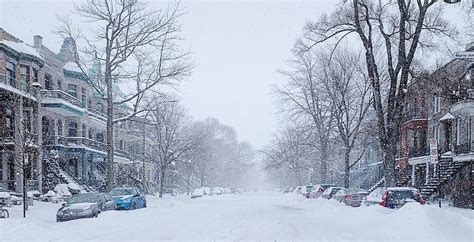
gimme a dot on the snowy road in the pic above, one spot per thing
(247, 216)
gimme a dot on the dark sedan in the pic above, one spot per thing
(86, 205)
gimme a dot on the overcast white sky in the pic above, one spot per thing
(237, 47)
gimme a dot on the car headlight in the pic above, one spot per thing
(86, 211)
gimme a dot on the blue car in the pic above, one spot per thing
(128, 198)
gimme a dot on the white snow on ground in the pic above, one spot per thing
(247, 216)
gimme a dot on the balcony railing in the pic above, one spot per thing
(61, 95)
(463, 148)
(94, 144)
(97, 114)
(424, 151)
(18, 84)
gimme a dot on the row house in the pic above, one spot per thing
(64, 113)
(439, 110)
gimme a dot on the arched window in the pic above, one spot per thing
(120, 145)
(100, 137)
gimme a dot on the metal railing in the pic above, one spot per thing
(463, 148)
(61, 95)
(18, 84)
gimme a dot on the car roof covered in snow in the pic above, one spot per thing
(401, 189)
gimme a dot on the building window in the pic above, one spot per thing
(47, 82)
(60, 127)
(120, 145)
(10, 66)
(35, 75)
(458, 131)
(100, 137)
(72, 129)
(83, 97)
(100, 107)
(59, 85)
(84, 130)
(27, 120)
(72, 90)
(25, 73)
(90, 133)
(436, 104)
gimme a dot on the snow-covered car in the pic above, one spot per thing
(306, 190)
(207, 191)
(62, 191)
(375, 197)
(396, 197)
(319, 189)
(329, 193)
(5, 199)
(217, 190)
(108, 202)
(351, 196)
(198, 192)
(128, 198)
(86, 205)
(227, 190)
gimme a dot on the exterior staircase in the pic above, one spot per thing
(380, 183)
(447, 169)
(70, 179)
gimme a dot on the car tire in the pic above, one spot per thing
(144, 204)
(134, 206)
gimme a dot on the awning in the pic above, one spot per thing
(447, 116)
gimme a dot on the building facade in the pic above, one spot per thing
(436, 152)
(46, 95)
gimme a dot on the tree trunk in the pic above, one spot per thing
(347, 169)
(324, 165)
(110, 131)
(162, 185)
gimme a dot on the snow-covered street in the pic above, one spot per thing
(263, 215)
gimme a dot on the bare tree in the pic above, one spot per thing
(391, 32)
(349, 91)
(126, 33)
(171, 142)
(304, 99)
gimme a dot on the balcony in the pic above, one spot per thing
(97, 114)
(463, 148)
(412, 152)
(90, 143)
(23, 88)
(62, 102)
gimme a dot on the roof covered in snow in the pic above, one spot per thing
(21, 47)
(72, 66)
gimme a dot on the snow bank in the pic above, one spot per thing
(4, 195)
(62, 190)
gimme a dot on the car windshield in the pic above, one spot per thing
(122, 192)
(84, 198)
(403, 195)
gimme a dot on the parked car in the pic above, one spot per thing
(207, 191)
(307, 190)
(396, 197)
(128, 198)
(5, 199)
(351, 196)
(375, 197)
(329, 192)
(227, 190)
(217, 191)
(198, 192)
(319, 189)
(108, 202)
(85, 205)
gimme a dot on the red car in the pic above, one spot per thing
(396, 197)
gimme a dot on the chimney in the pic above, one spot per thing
(37, 41)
